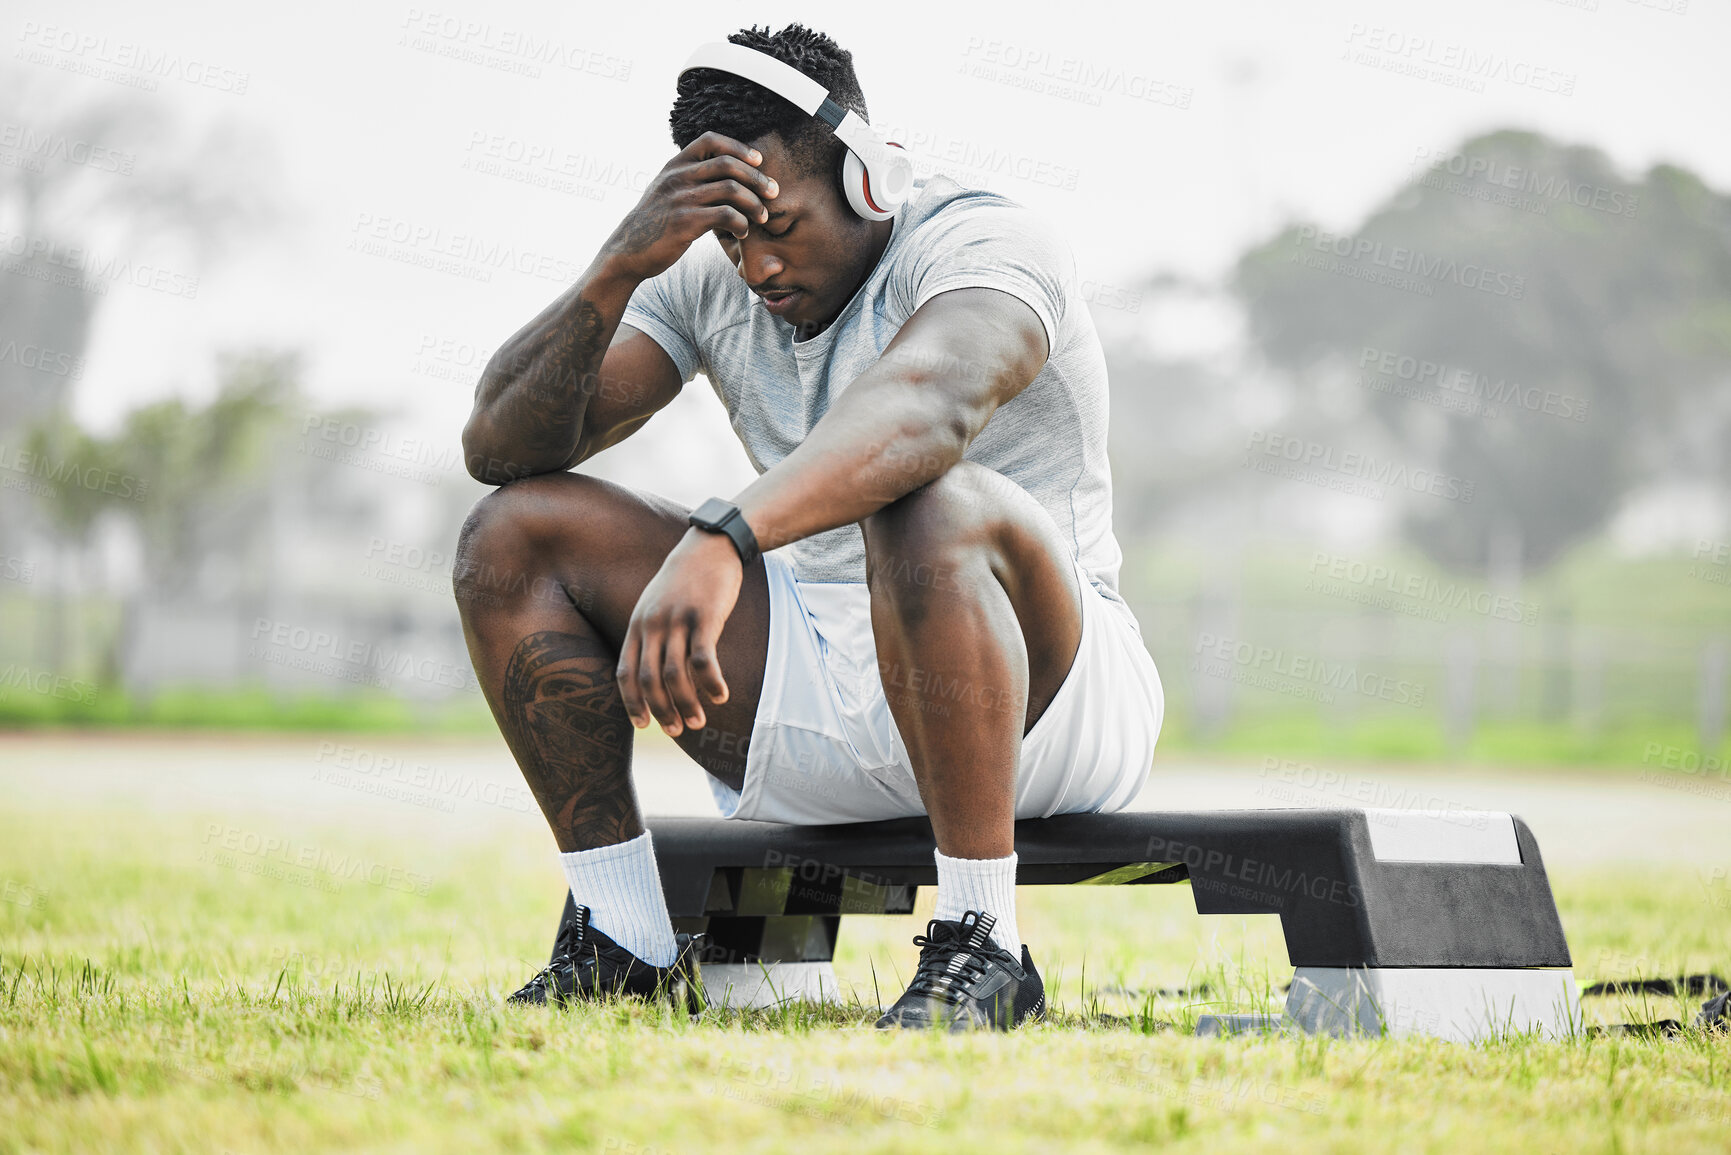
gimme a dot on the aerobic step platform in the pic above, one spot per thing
(1397, 922)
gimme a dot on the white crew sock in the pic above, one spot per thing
(622, 889)
(987, 884)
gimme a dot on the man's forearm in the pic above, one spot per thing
(906, 420)
(532, 397)
(876, 444)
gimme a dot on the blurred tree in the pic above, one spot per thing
(1611, 294)
(99, 181)
(206, 469)
(194, 481)
(60, 451)
(1181, 394)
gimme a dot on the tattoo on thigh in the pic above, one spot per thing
(568, 728)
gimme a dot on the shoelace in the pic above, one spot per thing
(946, 974)
(571, 940)
(565, 950)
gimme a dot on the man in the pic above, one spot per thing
(933, 624)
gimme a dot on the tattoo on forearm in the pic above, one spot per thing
(539, 395)
(567, 726)
(643, 228)
(549, 405)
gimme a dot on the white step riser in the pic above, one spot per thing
(759, 985)
(1459, 1004)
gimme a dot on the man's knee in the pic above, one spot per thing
(965, 505)
(932, 540)
(508, 541)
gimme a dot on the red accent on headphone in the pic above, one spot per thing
(866, 180)
(865, 176)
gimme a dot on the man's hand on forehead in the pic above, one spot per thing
(715, 183)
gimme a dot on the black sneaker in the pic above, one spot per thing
(966, 981)
(586, 964)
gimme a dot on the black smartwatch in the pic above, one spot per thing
(718, 516)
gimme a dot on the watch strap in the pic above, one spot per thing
(719, 516)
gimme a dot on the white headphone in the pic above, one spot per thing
(876, 173)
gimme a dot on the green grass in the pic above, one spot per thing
(160, 994)
(1653, 613)
(1512, 742)
(1296, 735)
(243, 710)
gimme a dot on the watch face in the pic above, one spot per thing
(712, 513)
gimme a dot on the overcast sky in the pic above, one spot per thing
(1158, 135)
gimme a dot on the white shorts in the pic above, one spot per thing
(824, 747)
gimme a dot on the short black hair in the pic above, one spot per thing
(710, 100)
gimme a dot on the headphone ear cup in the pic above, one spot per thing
(876, 190)
(895, 175)
(854, 182)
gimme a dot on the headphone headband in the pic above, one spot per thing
(877, 180)
(760, 67)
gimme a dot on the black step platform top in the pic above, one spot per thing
(1339, 905)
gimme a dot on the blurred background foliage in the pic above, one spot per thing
(1520, 316)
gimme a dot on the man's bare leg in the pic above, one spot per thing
(975, 603)
(547, 572)
(977, 615)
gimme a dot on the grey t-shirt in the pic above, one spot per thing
(1050, 439)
